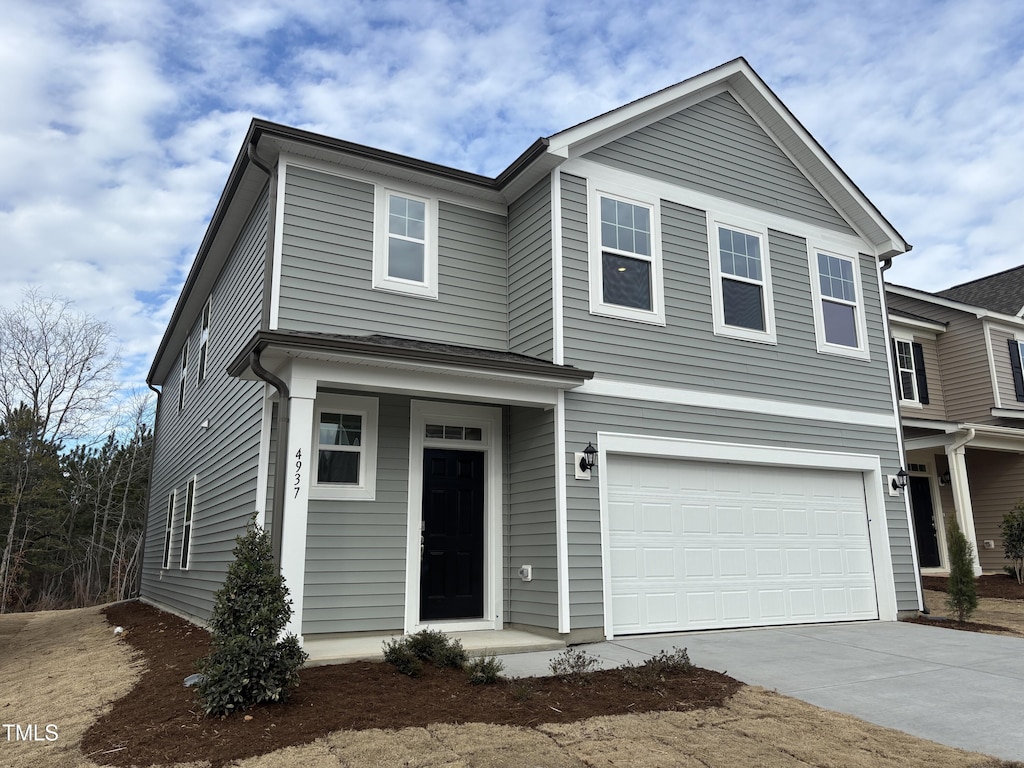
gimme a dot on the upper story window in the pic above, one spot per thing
(186, 531)
(1016, 355)
(345, 435)
(741, 293)
(204, 340)
(168, 528)
(625, 258)
(405, 244)
(183, 376)
(911, 378)
(839, 320)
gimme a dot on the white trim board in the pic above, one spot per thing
(275, 280)
(707, 399)
(737, 453)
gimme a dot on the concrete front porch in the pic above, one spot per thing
(337, 649)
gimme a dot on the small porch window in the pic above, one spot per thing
(345, 444)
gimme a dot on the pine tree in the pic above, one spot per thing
(248, 664)
(962, 592)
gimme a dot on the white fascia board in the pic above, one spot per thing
(931, 329)
(275, 279)
(1007, 413)
(970, 309)
(720, 401)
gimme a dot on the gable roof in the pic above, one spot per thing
(1002, 292)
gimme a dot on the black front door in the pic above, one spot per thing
(452, 564)
(924, 522)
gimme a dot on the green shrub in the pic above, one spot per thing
(485, 669)
(248, 663)
(408, 653)
(399, 653)
(962, 592)
(573, 666)
(1012, 531)
(522, 690)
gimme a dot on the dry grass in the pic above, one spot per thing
(991, 610)
(66, 668)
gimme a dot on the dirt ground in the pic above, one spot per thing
(1000, 604)
(68, 668)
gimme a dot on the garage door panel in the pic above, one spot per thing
(732, 545)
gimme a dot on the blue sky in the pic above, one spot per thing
(122, 117)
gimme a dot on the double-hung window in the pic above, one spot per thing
(741, 292)
(838, 303)
(1017, 367)
(625, 258)
(405, 243)
(183, 376)
(204, 341)
(345, 447)
(910, 372)
(186, 530)
(168, 528)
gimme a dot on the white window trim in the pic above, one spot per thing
(367, 408)
(172, 500)
(767, 336)
(915, 401)
(861, 352)
(598, 306)
(188, 519)
(381, 280)
(183, 373)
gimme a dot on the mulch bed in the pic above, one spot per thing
(967, 626)
(161, 721)
(998, 585)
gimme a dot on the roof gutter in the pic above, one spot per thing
(281, 457)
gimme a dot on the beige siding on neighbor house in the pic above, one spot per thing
(997, 483)
(962, 358)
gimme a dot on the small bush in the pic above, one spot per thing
(574, 666)
(408, 653)
(399, 653)
(484, 670)
(522, 690)
(248, 663)
(962, 592)
(652, 674)
(1012, 531)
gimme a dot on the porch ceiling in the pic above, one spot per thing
(940, 434)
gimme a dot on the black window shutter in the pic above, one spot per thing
(1018, 374)
(922, 378)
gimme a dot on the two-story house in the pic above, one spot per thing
(638, 382)
(957, 359)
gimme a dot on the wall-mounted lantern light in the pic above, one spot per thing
(589, 459)
(944, 478)
(900, 481)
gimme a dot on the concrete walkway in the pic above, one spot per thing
(957, 688)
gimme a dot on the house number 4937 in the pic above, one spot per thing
(298, 472)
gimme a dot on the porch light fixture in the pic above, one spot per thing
(589, 460)
(900, 481)
(944, 478)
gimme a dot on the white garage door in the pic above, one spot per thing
(700, 545)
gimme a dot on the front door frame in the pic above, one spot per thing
(938, 518)
(489, 421)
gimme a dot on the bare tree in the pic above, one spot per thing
(56, 361)
(56, 375)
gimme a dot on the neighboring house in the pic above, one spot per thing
(958, 369)
(398, 366)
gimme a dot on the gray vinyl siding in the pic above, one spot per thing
(963, 360)
(531, 321)
(997, 484)
(718, 148)
(587, 415)
(356, 549)
(686, 353)
(1004, 373)
(532, 536)
(268, 517)
(224, 456)
(327, 268)
(936, 407)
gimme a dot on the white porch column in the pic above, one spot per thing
(296, 499)
(962, 498)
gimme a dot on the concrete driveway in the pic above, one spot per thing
(961, 689)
